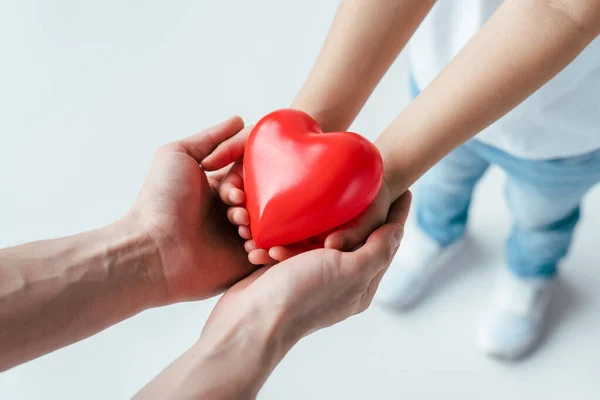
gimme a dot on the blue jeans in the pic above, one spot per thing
(544, 197)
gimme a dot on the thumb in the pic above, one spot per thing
(354, 233)
(399, 210)
(202, 144)
(227, 151)
(380, 248)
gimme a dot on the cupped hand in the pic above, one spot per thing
(347, 237)
(315, 289)
(231, 191)
(200, 252)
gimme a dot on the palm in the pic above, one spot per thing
(321, 285)
(202, 253)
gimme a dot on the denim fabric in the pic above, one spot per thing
(544, 197)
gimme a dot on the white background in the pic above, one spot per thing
(88, 90)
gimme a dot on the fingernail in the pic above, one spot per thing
(337, 243)
(398, 234)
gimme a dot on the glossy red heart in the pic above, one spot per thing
(301, 182)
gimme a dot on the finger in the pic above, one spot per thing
(249, 245)
(220, 174)
(215, 178)
(260, 257)
(226, 152)
(280, 253)
(245, 232)
(399, 210)
(355, 232)
(380, 248)
(238, 216)
(214, 183)
(202, 144)
(232, 186)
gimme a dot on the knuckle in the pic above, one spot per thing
(390, 254)
(365, 302)
(166, 148)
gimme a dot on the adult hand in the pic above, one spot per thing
(321, 287)
(346, 237)
(231, 191)
(201, 254)
(260, 318)
(175, 244)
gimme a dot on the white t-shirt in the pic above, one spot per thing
(561, 119)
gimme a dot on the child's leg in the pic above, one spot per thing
(544, 197)
(544, 222)
(444, 194)
(442, 204)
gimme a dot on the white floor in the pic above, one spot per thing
(88, 90)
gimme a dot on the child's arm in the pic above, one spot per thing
(365, 38)
(523, 45)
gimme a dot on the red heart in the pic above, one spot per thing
(301, 182)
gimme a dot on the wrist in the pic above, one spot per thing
(331, 119)
(392, 184)
(256, 330)
(398, 168)
(133, 260)
(243, 347)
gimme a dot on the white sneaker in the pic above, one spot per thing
(418, 260)
(514, 322)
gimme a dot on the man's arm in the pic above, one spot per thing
(365, 38)
(175, 244)
(523, 45)
(258, 320)
(233, 362)
(56, 292)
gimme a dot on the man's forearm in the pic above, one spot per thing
(232, 359)
(523, 45)
(365, 38)
(56, 292)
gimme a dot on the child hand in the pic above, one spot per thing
(347, 237)
(231, 192)
(354, 233)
